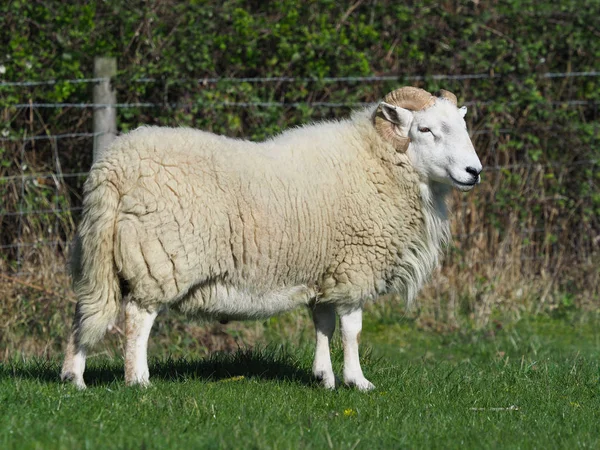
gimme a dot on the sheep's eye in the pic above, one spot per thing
(424, 130)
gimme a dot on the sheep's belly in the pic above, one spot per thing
(226, 302)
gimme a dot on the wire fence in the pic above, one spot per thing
(229, 104)
(55, 179)
(25, 139)
(356, 79)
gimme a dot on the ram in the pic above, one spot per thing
(330, 216)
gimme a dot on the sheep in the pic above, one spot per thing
(330, 215)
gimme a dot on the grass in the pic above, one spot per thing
(526, 384)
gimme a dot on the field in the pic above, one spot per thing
(531, 383)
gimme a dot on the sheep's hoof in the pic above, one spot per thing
(73, 378)
(142, 383)
(362, 384)
(327, 380)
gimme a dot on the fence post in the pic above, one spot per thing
(105, 117)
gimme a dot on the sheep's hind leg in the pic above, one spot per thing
(74, 363)
(138, 323)
(324, 320)
(351, 324)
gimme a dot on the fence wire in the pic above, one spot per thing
(350, 79)
(49, 137)
(227, 104)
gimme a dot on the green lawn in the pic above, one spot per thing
(531, 384)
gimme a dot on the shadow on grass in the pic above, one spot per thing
(266, 364)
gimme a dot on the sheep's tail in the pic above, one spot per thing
(95, 278)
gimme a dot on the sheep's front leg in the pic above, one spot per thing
(351, 324)
(324, 320)
(138, 323)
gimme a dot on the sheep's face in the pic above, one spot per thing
(440, 148)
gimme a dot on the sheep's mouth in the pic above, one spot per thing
(462, 185)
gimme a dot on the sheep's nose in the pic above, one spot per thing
(473, 171)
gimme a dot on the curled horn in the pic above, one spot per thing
(411, 98)
(448, 96)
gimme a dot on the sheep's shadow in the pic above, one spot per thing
(255, 363)
(223, 366)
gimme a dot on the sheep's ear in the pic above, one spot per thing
(399, 116)
(462, 111)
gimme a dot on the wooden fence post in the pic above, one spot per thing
(105, 117)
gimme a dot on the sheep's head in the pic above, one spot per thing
(432, 131)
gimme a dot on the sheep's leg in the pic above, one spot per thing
(138, 323)
(74, 363)
(324, 320)
(351, 324)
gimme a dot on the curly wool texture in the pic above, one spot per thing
(228, 228)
